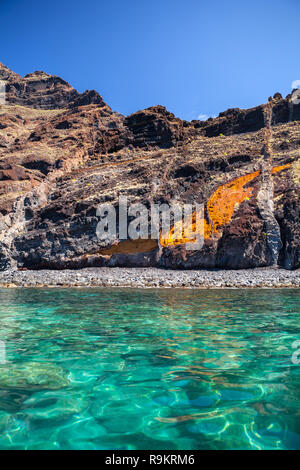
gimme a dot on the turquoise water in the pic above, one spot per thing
(149, 369)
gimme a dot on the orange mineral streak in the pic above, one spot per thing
(180, 234)
(222, 204)
(130, 247)
(276, 169)
(220, 207)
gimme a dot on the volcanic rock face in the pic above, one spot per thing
(63, 153)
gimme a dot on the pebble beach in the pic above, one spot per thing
(153, 278)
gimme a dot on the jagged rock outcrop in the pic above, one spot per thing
(40, 90)
(236, 121)
(63, 153)
(156, 126)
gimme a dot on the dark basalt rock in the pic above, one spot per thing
(156, 126)
(41, 91)
(63, 153)
(236, 121)
(86, 98)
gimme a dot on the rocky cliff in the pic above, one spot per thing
(63, 153)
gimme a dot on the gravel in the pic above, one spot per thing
(152, 277)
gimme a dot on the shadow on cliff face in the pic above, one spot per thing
(288, 220)
(64, 152)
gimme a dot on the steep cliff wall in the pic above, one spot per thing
(63, 153)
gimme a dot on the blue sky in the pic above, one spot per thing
(194, 57)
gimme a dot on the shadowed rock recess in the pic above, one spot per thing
(63, 153)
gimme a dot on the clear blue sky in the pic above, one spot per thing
(194, 57)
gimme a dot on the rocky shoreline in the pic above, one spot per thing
(152, 278)
(65, 155)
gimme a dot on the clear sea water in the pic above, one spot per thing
(149, 369)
